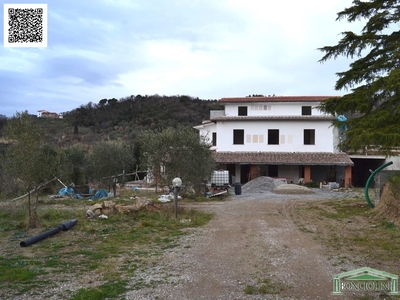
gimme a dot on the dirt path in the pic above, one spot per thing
(250, 245)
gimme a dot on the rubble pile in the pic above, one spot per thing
(292, 189)
(260, 184)
(265, 184)
(107, 208)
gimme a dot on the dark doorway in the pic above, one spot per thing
(273, 171)
(244, 173)
(360, 171)
(231, 169)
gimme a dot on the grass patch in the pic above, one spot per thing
(206, 199)
(342, 209)
(111, 249)
(264, 287)
(12, 219)
(19, 269)
(108, 290)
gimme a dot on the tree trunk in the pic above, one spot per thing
(29, 206)
(114, 186)
(33, 217)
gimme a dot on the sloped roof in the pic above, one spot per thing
(274, 118)
(278, 99)
(283, 158)
(204, 124)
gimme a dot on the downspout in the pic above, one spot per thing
(369, 182)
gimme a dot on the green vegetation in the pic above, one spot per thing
(345, 209)
(100, 145)
(178, 152)
(263, 287)
(28, 160)
(103, 253)
(372, 105)
(19, 269)
(108, 290)
(311, 184)
(129, 116)
(394, 181)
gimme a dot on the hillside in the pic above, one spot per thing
(126, 118)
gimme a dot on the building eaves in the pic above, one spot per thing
(283, 158)
(274, 118)
(277, 99)
(204, 124)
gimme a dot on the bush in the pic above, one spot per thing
(395, 184)
(311, 184)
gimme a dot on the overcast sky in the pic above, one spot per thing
(202, 48)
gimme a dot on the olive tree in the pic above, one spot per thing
(178, 152)
(108, 160)
(75, 164)
(29, 160)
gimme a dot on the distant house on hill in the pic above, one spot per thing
(46, 114)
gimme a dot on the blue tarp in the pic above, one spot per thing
(66, 191)
(343, 119)
(70, 191)
(100, 194)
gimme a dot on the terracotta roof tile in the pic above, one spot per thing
(284, 158)
(278, 99)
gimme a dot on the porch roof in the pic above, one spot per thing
(284, 158)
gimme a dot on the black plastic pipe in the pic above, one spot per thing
(63, 226)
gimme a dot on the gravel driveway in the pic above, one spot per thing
(250, 243)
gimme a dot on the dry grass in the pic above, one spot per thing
(352, 232)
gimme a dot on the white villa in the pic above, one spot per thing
(281, 137)
(46, 114)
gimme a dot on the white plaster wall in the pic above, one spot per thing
(395, 165)
(336, 137)
(291, 136)
(207, 131)
(271, 109)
